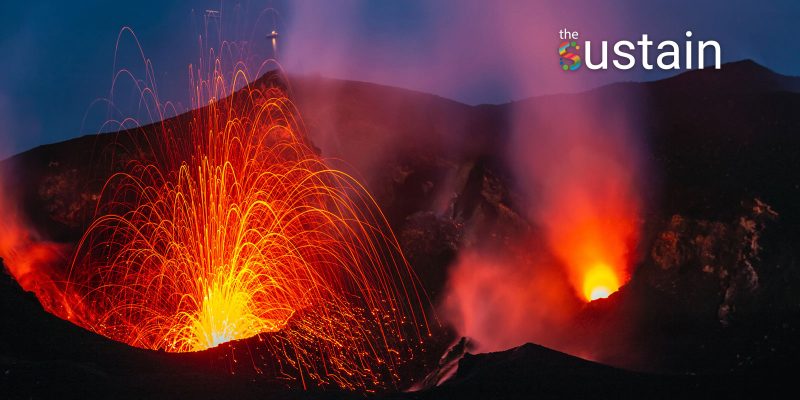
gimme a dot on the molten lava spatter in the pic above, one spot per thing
(241, 228)
(229, 225)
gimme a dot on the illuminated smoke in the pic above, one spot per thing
(501, 302)
(579, 163)
(576, 166)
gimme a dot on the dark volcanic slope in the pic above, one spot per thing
(532, 371)
(714, 141)
(727, 135)
(42, 357)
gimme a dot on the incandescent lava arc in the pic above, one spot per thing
(227, 225)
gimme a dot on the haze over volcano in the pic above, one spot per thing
(485, 216)
(293, 235)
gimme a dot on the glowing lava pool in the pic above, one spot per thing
(232, 229)
(599, 282)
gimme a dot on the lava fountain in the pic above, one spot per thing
(227, 224)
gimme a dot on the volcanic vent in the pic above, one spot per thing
(227, 224)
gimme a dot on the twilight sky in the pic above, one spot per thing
(58, 58)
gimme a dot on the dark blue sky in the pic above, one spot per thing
(58, 57)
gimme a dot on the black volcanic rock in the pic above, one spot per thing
(690, 253)
(532, 371)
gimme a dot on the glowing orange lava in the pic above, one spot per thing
(599, 282)
(594, 241)
(229, 225)
(239, 230)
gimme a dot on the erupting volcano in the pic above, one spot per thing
(229, 225)
(412, 201)
(595, 247)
